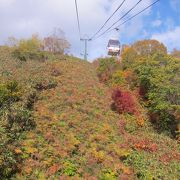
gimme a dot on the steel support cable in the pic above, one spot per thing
(130, 18)
(78, 22)
(120, 18)
(108, 19)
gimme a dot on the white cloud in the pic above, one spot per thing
(21, 18)
(6, 3)
(156, 23)
(170, 38)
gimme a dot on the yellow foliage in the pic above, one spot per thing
(122, 153)
(107, 128)
(31, 150)
(48, 161)
(98, 155)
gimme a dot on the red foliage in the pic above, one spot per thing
(124, 102)
(168, 157)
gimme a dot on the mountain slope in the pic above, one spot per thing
(77, 135)
(75, 125)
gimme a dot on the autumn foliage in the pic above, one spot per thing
(124, 102)
(77, 134)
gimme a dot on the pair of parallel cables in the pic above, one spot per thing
(111, 28)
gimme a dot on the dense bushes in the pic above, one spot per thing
(124, 102)
(15, 117)
(35, 48)
(44, 84)
(106, 68)
(160, 80)
(118, 78)
(146, 68)
(9, 93)
(158, 83)
(29, 49)
(123, 83)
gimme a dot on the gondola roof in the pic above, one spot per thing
(113, 42)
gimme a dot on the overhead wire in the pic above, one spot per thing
(129, 19)
(120, 18)
(108, 19)
(78, 22)
(137, 13)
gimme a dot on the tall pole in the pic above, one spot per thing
(85, 47)
(85, 52)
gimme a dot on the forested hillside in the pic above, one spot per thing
(65, 118)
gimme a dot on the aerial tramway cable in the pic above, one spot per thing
(78, 22)
(121, 18)
(108, 19)
(116, 28)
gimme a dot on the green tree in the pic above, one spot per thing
(29, 49)
(160, 78)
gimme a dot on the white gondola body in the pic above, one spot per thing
(113, 47)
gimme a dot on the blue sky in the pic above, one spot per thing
(164, 18)
(22, 18)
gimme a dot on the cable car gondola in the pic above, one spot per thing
(113, 47)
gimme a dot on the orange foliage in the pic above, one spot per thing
(140, 122)
(146, 146)
(53, 169)
(17, 151)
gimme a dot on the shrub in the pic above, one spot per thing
(131, 78)
(129, 57)
(107, 67)
(31, 99)
(108, 174)
(15, 117)
(9, 93)
(44, 84)
(118, 78)
(124, 102)
(29, 49)
(141, 167)
(70, 168)
(158, 79)
(8, 162)
(127, 79)
(18, 119)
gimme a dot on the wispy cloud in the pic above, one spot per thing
(156, 23)
(170, 38)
